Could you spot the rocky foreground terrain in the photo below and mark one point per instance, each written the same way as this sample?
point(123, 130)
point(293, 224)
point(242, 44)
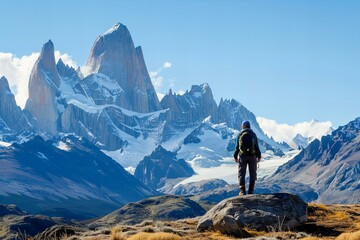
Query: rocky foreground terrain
point(340, 222)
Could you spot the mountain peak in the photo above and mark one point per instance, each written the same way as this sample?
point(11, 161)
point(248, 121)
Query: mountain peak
point(114, 55)
point(47, 50)
point(60, 62)
point(4, 84)
point(46, 62)
point(116, 28)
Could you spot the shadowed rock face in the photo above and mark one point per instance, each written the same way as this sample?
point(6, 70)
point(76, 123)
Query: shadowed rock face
point(153, 170)
point(114, 55)
point(259, 212)
point(190, 108)
point(12, 116)
point(70, 178)
point(43, 90)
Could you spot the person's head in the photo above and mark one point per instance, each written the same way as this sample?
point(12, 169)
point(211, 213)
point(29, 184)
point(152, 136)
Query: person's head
point(245, 124)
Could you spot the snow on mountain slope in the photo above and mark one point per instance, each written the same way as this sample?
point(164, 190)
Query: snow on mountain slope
point(286, 133)
point(4, 144)
point(207, 145)
point(228, 170)
point(40, 175)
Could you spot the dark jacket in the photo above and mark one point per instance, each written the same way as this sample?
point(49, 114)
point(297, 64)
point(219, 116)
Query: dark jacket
point(257, 149)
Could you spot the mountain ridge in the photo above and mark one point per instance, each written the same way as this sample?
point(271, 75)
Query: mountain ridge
point(331, 165)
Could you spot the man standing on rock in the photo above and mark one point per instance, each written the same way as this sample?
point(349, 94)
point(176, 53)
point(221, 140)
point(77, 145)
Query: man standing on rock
point(248, 147)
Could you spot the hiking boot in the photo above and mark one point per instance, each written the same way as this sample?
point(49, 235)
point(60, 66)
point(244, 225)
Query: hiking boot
point(251, 188)
point(242, 190)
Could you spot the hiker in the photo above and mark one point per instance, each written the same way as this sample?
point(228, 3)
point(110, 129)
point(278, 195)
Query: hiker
point(248, 147)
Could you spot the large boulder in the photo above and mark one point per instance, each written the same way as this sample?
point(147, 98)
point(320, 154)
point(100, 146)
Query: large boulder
point(280, 211)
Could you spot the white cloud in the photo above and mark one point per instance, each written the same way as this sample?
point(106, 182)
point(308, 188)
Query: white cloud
point(158, 80)
point(167, 65)
point(86, 70)
point(17, 71)
point(286, 132)
point(66, 58)
point(181, 92)
point(160, 96)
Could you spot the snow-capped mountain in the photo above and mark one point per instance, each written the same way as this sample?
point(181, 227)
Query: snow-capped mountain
point(160, 166)
point(298, 135)
point(65, 176)
point(331, 165)
point(301, 142)
point(115, 108)
point(114, 55)
point(44, 86)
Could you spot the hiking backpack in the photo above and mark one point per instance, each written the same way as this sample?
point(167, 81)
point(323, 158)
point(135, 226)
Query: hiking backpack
point(247, 143)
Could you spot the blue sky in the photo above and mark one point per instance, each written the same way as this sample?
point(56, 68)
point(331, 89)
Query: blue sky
point(290, 61)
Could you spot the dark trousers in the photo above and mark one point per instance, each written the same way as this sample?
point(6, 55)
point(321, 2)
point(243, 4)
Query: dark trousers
point(244, 161)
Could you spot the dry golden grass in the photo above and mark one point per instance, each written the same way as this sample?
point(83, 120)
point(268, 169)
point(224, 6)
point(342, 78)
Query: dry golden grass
point(357, 225)
point(319, 205)
point(116, 234)
point(338, 215)
point(312, 238)
point(95, 238)
point(255, 233)
point(207, 236)
point(349, 236)
point(155, 236)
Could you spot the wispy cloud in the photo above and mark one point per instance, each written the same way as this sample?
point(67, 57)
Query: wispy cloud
point(158, 80)
point(167, 65)
point(17, 70)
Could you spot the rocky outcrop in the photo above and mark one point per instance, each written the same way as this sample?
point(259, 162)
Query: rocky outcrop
point(67, 73)
point(234, 113)
point(271, 212)
point(44, 86)
point(161, 165)
point(190, 108)
point(166, 208)
point(114, 55)
point(330, 166)
point(198, 187)
point(11, 114)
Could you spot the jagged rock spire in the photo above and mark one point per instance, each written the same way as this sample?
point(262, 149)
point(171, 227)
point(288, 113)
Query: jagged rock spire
point(43, 90)
point(115, 55)
point(10, 113)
